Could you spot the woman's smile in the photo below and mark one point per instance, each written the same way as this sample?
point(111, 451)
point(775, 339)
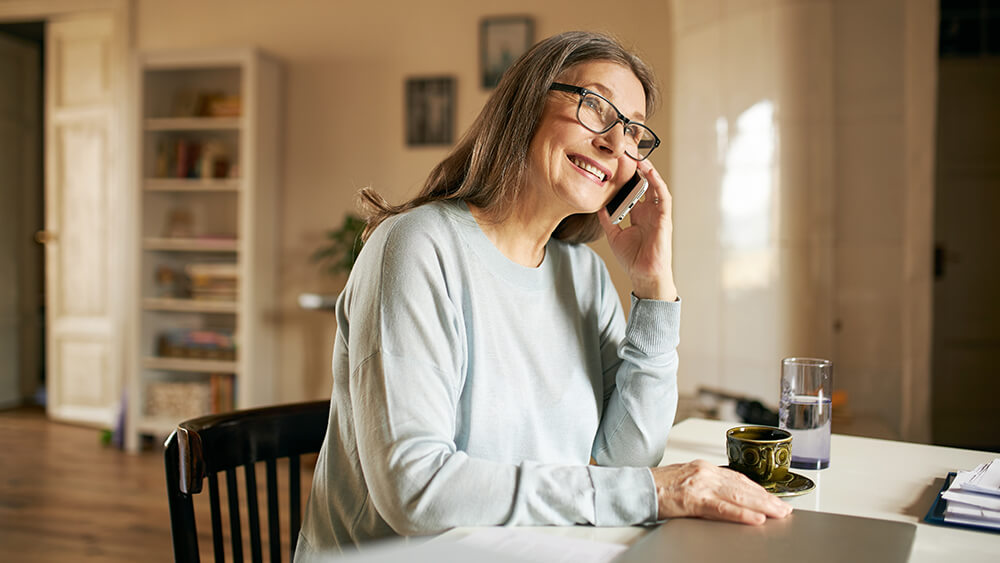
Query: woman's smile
point(591, 168)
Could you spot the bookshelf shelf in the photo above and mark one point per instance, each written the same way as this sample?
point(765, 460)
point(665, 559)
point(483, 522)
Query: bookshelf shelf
point(190, 365)
point(191, 244)
point(189, 305)
point(191, 185)
point(193, 123)
point(206, 189)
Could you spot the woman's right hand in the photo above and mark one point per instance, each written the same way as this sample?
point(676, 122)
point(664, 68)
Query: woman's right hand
point(704, 490)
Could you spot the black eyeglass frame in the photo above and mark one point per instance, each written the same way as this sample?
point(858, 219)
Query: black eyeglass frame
point(583, 92)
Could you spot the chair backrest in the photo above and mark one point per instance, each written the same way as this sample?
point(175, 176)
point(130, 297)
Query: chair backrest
point(202, 447)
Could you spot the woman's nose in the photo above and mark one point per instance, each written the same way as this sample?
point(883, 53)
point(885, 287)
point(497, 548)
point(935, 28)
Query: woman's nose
point(613, 140)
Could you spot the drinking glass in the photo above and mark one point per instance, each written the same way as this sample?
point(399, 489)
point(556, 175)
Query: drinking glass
point(805, 408)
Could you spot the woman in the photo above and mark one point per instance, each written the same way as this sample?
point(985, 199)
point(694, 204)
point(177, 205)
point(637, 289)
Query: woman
point(482, 360)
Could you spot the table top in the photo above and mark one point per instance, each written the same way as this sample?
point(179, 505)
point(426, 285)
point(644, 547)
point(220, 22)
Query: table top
point(867, 477)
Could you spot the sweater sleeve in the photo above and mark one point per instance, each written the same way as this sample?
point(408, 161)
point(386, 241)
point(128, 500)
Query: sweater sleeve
point(405, 388)
point(640, 380)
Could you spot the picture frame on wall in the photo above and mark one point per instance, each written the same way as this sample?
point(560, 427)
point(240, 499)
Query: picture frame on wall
point(501, 41)
point(430, 110)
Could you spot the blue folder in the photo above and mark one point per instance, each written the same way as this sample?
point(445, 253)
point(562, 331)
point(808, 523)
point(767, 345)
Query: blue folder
point(936, 514)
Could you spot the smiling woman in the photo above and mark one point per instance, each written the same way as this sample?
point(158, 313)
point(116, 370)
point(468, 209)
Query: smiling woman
point(482, 359)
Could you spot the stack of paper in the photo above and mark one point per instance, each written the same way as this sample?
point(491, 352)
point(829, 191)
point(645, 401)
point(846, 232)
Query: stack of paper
point(974, 496)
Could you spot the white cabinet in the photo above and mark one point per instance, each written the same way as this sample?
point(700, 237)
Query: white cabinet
point(207, 218)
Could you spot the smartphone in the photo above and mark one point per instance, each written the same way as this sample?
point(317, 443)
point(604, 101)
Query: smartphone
point(622, 202)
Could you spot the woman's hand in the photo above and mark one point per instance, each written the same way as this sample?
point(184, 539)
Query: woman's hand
point(704, 490)
point(644, 248)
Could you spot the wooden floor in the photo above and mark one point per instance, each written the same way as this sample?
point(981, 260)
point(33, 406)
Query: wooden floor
point(66, 497)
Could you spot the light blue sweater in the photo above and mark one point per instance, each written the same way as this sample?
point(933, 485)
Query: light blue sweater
point(471, 391)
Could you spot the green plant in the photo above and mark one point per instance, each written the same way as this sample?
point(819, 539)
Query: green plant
point(342, 246)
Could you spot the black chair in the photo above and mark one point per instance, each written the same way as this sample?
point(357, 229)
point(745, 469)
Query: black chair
point(203, 447)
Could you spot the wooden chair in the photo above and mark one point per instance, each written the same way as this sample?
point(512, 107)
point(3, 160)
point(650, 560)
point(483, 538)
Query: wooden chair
point(203, 447)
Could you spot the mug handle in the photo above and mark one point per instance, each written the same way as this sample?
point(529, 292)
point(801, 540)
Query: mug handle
point(768, 460)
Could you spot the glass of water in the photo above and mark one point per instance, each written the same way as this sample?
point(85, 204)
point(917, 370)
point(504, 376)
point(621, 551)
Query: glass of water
point(805, 408)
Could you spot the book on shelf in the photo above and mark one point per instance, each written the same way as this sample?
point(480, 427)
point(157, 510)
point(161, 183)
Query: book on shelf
point(223, 387)
point(189, 102)
point(213, 270)
point(202, 344)
point(186, 158)
point(218, 104)
point(217, 281)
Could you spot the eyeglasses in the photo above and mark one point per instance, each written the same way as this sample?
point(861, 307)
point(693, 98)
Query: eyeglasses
point(599, 115)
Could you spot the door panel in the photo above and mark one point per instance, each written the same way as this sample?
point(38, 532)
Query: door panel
point(84, 341)
point(82, 268)
point(966, 301)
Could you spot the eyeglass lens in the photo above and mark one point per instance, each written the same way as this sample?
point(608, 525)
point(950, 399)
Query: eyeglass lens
point(599, 116)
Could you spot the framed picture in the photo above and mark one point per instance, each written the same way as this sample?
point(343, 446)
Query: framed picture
point(502, 40)
point(430, 110)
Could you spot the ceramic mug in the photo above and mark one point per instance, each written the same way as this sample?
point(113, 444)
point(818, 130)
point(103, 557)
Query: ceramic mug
point(762, 453)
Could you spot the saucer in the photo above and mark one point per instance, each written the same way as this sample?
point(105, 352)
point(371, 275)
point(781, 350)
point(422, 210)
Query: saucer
point(792, 485)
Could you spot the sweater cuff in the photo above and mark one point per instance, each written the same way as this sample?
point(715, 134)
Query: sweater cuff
point(623, 496)
point(654, 326)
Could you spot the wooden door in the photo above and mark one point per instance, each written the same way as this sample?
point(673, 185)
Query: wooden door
point(82, 189)
point(19, 130)
point(966, 297)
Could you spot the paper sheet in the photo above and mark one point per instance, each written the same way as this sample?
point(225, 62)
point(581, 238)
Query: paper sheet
point(971, 511)
point(983, 479)
point(983, 501)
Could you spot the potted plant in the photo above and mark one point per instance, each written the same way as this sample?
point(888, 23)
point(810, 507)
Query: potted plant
point(341, 247)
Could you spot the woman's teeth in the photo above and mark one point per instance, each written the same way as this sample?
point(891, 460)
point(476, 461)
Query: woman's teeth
point(588, 167)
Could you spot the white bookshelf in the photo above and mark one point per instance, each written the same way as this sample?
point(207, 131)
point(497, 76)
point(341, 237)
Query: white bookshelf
point(207, 186)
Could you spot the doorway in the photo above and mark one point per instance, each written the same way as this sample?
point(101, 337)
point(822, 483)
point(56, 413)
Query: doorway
point(966, 338)
point(88, 136)
point(22, 287)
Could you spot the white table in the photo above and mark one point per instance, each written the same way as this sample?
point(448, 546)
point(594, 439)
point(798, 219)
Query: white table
point(867, 477)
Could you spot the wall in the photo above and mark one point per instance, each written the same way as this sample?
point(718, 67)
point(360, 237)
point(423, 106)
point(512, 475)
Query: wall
point(802, 160)
point(885, 80)
point(752, 162)
point(345, 65)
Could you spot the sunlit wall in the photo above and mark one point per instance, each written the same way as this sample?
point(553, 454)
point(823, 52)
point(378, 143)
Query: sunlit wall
point(801, 174)
point(752, 187)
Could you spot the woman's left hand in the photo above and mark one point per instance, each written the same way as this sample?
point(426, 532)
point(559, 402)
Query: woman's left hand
point(644, 248)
